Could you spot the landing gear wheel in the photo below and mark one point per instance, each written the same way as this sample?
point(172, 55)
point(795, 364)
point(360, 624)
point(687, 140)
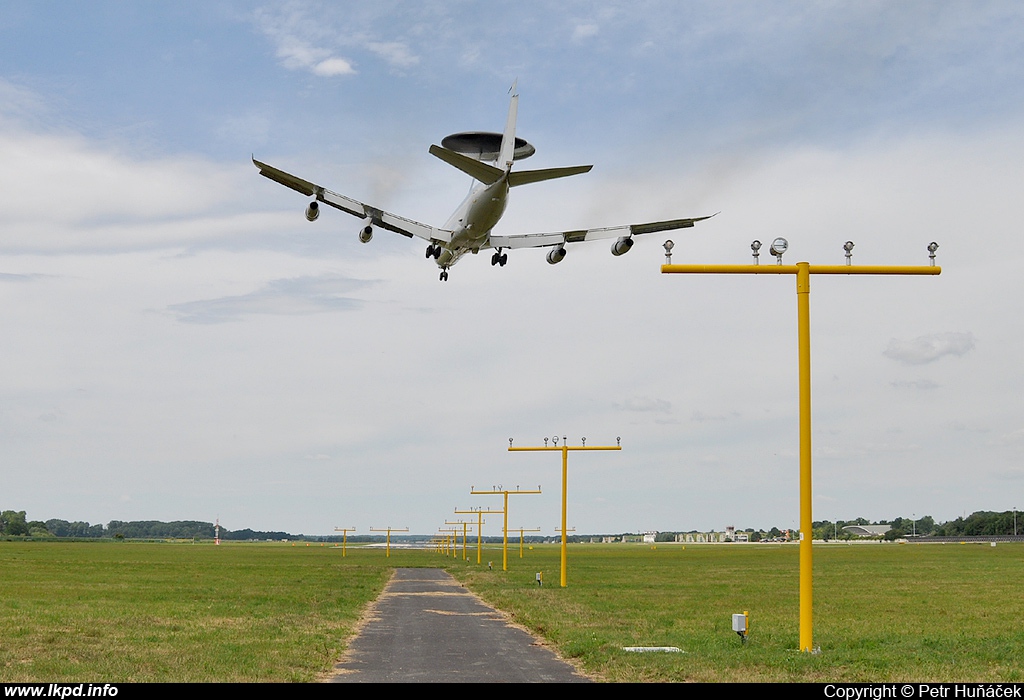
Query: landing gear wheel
point(430, 251)
point(502, 259)
point(495, 259)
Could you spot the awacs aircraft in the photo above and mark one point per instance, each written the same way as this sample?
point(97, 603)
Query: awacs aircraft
point(488, 158)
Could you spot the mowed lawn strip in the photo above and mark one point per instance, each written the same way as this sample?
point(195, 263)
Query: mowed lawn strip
point(131, 611)
point(127, 611)
point(883, 612)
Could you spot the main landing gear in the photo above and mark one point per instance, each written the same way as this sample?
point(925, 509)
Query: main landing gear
point(433, 251)
point(499, 258)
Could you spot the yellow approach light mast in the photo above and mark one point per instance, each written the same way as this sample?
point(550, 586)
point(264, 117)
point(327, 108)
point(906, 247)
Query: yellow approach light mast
point(344, 537)
point(479, 528)
point(565, 450)
point(389, 530)
point(504, 528)
point(803, 272)
point(523, 530)
point(465, 524)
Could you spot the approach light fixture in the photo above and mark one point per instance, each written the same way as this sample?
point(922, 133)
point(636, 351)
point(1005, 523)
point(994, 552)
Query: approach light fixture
point(669, 245)
point(756, 247)
point(932, 247)
point(779, 246)
point(848, 247)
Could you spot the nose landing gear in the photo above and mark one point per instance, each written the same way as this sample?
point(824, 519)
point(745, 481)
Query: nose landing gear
point(499, 258)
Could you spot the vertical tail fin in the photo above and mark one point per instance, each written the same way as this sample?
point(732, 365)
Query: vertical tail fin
point(508, 138)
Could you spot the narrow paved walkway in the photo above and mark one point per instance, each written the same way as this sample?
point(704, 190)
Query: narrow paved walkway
point(427, 628)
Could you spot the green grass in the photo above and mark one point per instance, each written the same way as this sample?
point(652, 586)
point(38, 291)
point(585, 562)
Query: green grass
point(103, 612)
point(179, 612)
point(882, 612)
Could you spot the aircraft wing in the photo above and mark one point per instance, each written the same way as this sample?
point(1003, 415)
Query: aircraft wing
point(379, 217)
point(539, 240)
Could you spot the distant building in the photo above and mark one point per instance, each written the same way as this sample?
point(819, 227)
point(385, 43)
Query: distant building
point(867, 530)
point(697, 537)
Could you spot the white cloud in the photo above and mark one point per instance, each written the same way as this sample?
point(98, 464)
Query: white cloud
point(284, 297)
point(701, 417)
point(918, 385)
point(297, 38)
point(584, 31)
point(394, 52)
point(644, 404)
point(929, 348)
point(317, 45)
point(333, 66)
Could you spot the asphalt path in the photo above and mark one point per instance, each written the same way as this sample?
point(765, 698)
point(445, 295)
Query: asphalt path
point(427, 628)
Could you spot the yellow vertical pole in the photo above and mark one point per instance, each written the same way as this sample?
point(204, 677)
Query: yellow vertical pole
point(803, 271)
point(565, 490)
point(479, 536)
point(803, 293)
point(504, 530)
point(389, 544)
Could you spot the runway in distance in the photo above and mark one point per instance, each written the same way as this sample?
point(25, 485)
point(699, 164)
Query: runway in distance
point(487, 157)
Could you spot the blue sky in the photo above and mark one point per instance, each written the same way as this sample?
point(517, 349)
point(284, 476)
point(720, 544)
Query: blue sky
point(182, 344)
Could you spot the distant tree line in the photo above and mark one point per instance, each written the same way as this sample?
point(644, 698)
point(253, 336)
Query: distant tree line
point(16, 524)
point(982, 523)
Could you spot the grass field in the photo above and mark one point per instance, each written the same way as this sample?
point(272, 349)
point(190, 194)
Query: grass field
point(274, 612)
point(882, 612)
point(128, 611)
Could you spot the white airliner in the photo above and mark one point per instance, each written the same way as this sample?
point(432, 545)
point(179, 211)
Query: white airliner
point(486, 157)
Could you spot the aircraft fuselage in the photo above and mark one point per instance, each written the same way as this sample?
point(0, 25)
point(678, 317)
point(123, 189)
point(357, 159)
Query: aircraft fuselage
point(473, 220)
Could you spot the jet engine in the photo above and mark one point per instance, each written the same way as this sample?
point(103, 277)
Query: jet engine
point(622, 246)
point(312, 211)
point(367, 231)
point(556, 254)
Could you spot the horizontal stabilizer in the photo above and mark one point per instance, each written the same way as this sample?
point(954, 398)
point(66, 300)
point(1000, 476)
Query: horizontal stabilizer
point(483, 172)
point(525, 177)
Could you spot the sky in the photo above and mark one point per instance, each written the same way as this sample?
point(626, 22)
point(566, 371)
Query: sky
point(181, 344)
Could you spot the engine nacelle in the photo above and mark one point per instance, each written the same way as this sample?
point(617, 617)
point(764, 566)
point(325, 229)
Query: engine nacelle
point(312, 211)
point(556, 255)
point(622, 246)
point(366, 234)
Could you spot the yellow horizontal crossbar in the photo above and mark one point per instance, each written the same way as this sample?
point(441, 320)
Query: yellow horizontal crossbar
point(792, 269)
point(559, 449)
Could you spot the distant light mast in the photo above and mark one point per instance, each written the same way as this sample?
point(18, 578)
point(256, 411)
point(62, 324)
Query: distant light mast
point(216, 535)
